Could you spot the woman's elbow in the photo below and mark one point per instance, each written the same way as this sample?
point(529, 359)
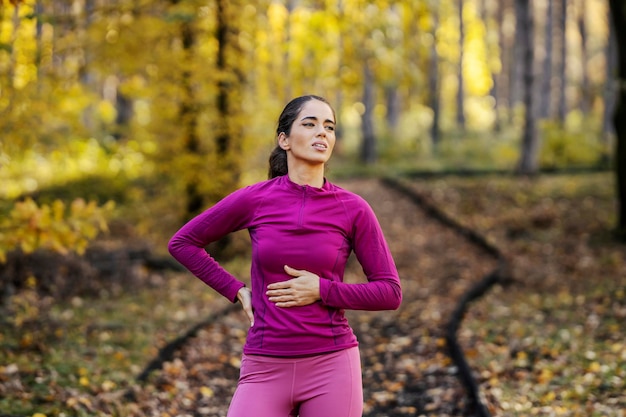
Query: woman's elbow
point(395, 303)
point(391, 298)
point(396, 299)
point(174, 246)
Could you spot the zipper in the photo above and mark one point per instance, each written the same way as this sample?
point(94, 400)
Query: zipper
point(302, 206)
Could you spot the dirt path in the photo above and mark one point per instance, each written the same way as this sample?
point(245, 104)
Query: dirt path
point(436, 266)
point(406, 370)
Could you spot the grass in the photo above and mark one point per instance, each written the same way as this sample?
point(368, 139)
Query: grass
point(55, 356)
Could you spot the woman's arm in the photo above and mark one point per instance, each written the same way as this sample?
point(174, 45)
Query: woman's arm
point(187, 245)
point(382, 291)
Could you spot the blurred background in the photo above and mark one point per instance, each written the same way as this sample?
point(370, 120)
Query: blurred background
point(124, 97)
point(121, 119)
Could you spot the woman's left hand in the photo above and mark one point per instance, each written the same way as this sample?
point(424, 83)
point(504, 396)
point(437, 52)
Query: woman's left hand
point(302, 290)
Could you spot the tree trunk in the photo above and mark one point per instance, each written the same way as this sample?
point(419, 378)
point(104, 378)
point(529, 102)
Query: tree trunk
point(124, 109)
point(561, 71)
point(529, 161)
point(460, 94)
point(9, 78)
point(433, 84)
point(517, 61)
point(546, 78)
point(497, 77)
point(229, 86)
point(188, 116)
point(221, 35)
point(212, 171)
point(610, 87)
point(338, 104)
point(38, 34)
point(618, 11)
point(368, 146)
point(393, 109)
point(508, 54)
point(290, 5)
point(86, 74)
point(585, 98)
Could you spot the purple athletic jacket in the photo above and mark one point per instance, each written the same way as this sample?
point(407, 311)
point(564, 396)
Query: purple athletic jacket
point(308, 228)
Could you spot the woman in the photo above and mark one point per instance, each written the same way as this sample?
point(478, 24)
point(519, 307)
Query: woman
point(300, 356)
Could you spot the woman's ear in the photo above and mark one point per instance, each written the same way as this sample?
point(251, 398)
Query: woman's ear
point(283, 141)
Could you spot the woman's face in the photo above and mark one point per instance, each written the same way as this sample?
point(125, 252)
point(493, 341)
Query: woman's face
point(312, 137)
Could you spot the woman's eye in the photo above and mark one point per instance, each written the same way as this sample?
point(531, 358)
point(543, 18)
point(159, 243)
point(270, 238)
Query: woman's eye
point(308, 124)
point(331, 128)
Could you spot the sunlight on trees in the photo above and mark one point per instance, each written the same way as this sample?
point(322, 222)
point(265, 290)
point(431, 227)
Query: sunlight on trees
point(149, 77)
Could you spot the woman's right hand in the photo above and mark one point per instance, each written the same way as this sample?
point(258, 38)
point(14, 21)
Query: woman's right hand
point(245, 298)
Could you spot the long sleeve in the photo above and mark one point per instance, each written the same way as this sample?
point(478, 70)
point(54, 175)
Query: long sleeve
point(187, 245)
point(314, 229)
point(383, 290)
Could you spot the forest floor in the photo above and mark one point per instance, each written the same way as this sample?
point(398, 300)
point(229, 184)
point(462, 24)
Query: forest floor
point(549, 344)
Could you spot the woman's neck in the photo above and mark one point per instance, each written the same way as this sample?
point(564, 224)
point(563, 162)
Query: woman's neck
point(313, 176)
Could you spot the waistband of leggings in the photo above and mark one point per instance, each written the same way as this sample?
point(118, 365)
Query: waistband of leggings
point(296, 359)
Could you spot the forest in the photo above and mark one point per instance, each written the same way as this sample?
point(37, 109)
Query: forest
point(489, 137)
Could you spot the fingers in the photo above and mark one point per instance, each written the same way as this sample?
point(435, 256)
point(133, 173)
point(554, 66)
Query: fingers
point(287, 284)
point(287, 304)
point(293, 272)
point(301, 290)
point(281, 294)
point(287, 301)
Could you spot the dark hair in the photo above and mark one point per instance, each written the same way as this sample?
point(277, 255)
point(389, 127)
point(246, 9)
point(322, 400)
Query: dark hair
point(278, 157)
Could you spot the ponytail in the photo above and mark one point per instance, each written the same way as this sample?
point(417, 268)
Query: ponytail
point(278, 163)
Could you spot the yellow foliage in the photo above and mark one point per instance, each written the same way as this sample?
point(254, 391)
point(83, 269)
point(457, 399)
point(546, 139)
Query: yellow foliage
point(207, 392)
point(594, 367)
point(30, 226)
point(31, 282)
point(545, 376)
point(549, 397)
point(277, 15)
point(108, 385)
point(25, 48)
point(106, 111)
point(573, 145)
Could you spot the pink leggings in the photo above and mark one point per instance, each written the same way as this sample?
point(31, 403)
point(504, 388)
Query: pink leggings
point(327, 385)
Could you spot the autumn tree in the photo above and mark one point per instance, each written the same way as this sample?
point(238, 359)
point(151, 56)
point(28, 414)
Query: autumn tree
point(585, 99)
point(546, 77)
point(618, 11)
point(460, 92)
point(608, 98)
point(561, 74)
point(203, 97)
point(434, 83)
point(528, 163)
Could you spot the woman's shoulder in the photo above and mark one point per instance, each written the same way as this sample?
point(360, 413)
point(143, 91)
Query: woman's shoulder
point(348, 197)
point(259, 187)
point(251, 193)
